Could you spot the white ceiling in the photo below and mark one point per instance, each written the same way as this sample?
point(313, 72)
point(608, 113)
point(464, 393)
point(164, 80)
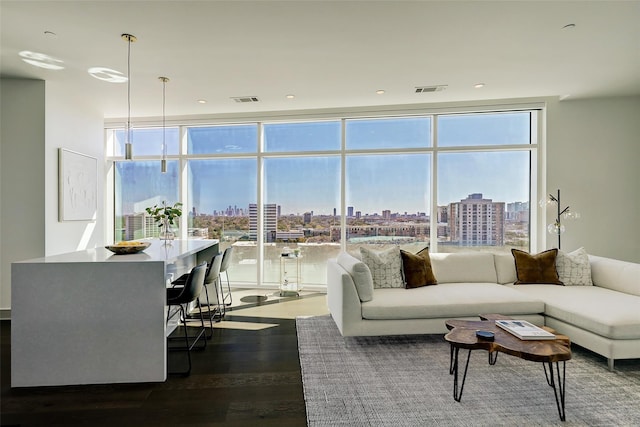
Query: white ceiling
point(326, 53)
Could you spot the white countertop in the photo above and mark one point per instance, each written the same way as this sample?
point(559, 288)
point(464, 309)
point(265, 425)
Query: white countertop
point(157, 252)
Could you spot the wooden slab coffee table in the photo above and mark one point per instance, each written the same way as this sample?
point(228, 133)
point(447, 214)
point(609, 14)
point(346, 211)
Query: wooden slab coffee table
point(549, 352)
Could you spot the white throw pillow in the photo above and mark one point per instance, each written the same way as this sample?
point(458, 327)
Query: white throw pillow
point(385, 267)
point(574, 268)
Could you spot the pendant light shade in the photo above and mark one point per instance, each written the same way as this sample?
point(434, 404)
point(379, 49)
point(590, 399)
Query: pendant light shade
point(128, 147)
point(163, 162)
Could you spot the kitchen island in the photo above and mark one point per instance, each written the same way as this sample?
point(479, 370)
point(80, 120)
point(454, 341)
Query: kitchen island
point(94, 317)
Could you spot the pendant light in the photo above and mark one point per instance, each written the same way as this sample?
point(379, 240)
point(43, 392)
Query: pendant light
point(128, 147)
point(163, 162)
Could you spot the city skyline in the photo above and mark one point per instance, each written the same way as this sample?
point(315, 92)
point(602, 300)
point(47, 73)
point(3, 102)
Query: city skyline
point(516, 206)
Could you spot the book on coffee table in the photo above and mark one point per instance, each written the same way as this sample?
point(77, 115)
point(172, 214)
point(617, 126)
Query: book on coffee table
point(525, 330)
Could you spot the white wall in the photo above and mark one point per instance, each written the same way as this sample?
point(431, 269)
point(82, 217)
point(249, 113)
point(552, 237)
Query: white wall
point(593, 155)
point(37, 119)
point(22, 176)
point(73, 122)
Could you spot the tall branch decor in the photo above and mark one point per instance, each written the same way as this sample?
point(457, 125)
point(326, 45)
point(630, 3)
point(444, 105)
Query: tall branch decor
point(557, 228)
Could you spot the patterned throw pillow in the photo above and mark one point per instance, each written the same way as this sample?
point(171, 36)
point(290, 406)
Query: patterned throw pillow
point(539, 268)
point(385, 267)
point(574, 268)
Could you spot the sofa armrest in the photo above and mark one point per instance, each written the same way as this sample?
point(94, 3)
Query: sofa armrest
point(342, 298)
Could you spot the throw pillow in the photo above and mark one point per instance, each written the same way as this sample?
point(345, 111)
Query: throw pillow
point(538, 268)
point(385, 267)
point(574, 269)
point(417, 269)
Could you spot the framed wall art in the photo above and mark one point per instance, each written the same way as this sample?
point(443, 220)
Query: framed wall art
point(77, 186)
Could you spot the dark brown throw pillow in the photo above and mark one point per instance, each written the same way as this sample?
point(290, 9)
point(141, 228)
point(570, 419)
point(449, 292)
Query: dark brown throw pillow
point(538, 268)
point(417, 269)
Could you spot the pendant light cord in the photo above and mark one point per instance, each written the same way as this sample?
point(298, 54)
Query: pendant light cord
point(164, 129)
point(128, 147)
point(129, 90)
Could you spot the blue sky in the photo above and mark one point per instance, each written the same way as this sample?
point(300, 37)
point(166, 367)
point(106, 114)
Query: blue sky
point(399, 182)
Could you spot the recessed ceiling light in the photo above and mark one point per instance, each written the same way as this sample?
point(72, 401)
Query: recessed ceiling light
point(202, 101)
point(478, 85)
point(569, 26)
point(107, 75)
point(41, 60)
point(380, 91)
point(290, 96)
point(50, 34)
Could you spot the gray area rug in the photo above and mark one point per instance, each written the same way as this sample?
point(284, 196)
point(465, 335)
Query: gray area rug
point(405, 381)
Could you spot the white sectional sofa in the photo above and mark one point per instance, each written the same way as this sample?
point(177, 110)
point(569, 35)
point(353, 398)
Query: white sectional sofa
point(604, 318)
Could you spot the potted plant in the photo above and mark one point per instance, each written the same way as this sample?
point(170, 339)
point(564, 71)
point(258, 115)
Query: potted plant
point(165, 217)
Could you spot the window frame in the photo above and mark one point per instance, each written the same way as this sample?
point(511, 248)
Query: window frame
point(536, 148)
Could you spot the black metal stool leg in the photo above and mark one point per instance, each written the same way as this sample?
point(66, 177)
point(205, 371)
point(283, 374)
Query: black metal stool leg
point(228, 295)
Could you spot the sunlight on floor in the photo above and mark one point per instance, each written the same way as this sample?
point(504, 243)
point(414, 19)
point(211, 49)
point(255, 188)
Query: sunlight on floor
point(274, 306)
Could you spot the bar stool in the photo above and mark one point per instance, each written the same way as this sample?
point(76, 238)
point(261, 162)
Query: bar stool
point(179, 296)
point(226, 262)
point(216, 308)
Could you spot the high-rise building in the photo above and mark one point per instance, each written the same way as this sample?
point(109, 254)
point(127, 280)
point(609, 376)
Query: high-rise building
point(270, 221)
point(475, 221)
point(139, 226)
point(350, 211)
point(518, 211)
point(443, 214)
point(307, 217)
point(386, 214)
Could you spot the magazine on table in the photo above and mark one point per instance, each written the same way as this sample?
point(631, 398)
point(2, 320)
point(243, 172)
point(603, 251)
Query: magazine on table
point(525, 330)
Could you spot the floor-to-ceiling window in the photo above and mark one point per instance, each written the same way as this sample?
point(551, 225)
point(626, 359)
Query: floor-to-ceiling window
point(484, 180)
point(388, 182)
point(452, 182)
point(140, 184)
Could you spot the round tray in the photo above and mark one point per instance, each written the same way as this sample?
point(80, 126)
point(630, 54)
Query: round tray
point(127, 249)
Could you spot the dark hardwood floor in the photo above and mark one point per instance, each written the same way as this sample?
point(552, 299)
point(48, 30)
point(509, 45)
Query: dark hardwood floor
point(242, 378)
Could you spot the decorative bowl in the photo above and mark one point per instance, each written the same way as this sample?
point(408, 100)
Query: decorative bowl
point(127, 248)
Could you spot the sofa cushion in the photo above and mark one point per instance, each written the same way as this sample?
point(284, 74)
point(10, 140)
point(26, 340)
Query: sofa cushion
point(359, 273)
point(602, 311)
point(615, 274)
point(537, 268)
point(385, 267)
point(417, 269)
point(467, 267)
point(449, 300)
point(574, 268)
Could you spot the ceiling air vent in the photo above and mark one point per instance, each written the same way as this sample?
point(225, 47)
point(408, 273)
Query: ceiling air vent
point(426, 89)
point(245, 98)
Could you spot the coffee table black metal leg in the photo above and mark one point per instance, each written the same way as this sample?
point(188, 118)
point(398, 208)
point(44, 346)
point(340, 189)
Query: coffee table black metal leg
point(457, 393)
point(560, 389)
point(493, 357)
